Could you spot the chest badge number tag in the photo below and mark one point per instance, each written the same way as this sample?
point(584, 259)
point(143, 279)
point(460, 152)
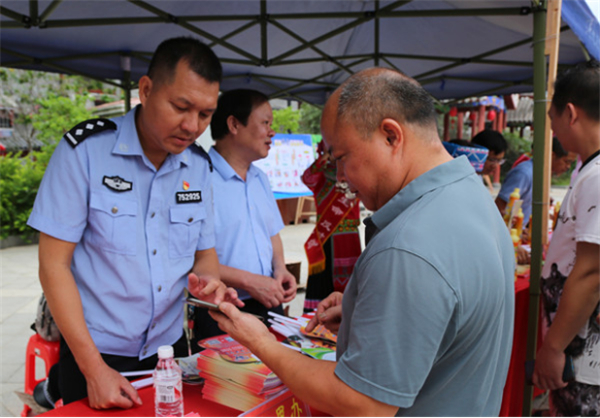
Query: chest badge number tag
point(117, 184)
point(189, 197)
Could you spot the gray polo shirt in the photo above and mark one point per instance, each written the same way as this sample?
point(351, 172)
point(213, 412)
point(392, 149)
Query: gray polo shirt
point(428, 313)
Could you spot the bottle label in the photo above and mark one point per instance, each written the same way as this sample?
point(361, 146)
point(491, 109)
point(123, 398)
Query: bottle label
point(166, 391)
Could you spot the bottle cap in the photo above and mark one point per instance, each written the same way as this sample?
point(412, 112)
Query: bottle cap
point(165, 351)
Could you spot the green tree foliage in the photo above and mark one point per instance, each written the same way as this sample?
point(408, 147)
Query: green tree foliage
point(21, 91)
point(310, 119)
point(286, 120)
point(57, 114)
point(20, 177)
point(19, 182)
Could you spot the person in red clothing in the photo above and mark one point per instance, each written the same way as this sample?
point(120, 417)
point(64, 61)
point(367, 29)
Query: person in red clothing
point(334, 246)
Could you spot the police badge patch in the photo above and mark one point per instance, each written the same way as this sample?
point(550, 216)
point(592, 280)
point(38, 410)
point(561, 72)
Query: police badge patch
point(117, 184)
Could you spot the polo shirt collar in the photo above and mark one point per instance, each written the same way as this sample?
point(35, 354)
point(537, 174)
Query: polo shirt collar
point(128, 142)
point(221, 165)
point(440, 176)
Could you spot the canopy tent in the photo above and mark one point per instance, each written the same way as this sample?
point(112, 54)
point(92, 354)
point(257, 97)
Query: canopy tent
point(298, 49)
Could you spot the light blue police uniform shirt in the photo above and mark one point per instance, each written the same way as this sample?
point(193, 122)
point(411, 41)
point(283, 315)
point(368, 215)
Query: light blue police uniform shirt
point(428, 312)
point(246, 217)
point(520, 176)
point(136, 246)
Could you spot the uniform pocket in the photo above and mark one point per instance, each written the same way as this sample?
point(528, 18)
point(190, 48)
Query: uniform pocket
point(113, 221)
point(184, 230)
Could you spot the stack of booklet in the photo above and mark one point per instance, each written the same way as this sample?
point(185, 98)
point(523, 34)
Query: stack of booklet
point(319, 343)
point(233, 376)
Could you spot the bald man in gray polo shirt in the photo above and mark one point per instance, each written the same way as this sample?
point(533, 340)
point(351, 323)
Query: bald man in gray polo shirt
point(427, 317)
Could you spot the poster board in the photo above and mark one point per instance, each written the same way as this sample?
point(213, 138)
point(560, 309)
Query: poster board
point(289, 156)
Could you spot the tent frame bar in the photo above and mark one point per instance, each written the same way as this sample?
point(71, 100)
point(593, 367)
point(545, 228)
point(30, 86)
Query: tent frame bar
point(21, 20)
point(264, 19)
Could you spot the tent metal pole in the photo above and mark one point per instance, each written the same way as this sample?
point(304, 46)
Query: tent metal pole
point(539, 206)
point(285, 90)
point(263, 32)
point(184, 24)
point(33, 12)
point(235, 32)
point(20, 20)
point(326, 58)
point(477, 58)
point(376, 34)
point(339, 30)
point(46, 13)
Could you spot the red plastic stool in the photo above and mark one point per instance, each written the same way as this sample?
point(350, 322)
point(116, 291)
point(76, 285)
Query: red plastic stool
point(47, 351)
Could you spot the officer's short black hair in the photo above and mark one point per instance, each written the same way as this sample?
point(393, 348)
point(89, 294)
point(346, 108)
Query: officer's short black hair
point(201, 59)
point(237, 103)
point(492, 140)
point(579, 85)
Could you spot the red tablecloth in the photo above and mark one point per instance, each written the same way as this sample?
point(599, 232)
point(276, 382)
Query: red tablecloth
point(192, 402)
point(512, 401)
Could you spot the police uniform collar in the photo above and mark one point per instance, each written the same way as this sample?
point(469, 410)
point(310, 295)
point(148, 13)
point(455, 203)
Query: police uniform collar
point(224, 168)
point(128, 141)
point(440, 176)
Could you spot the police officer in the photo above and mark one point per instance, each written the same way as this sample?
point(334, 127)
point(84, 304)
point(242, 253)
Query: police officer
point(125, 220)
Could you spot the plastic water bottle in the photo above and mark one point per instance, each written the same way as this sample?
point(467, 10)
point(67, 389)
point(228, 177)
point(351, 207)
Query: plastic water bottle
point(168, 397)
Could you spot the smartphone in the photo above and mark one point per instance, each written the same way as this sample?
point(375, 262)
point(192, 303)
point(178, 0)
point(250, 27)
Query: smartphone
point(568, 371)
point(202, 304)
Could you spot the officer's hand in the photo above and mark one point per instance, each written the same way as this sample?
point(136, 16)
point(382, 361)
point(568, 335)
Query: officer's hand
point(266, 290)
point(329, 313)
point(288, 284)
point(246, 329)
point(212, 290)
point(108, 389)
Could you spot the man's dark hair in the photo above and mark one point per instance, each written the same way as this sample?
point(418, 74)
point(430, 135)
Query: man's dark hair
point(492, 140)
point(201, 59)
point(367, 99)
point(237, 103)
point(579, 85)
point(557, 148)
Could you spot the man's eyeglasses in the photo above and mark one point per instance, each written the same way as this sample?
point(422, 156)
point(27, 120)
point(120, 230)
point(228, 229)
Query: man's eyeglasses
point(498, 161)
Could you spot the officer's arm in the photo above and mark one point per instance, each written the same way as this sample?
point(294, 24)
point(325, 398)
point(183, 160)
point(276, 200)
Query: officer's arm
point(106, 387)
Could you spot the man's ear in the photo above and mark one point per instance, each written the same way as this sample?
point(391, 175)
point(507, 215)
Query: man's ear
point(393, 132)
point(573, 113)
point(232, 124)
point(144, 88)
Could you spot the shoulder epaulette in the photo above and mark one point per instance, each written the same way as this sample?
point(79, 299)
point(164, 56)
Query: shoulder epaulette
point(198, 148)
point(88, 128)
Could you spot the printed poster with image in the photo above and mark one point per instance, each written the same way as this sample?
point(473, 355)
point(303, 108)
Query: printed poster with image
point(289, 156)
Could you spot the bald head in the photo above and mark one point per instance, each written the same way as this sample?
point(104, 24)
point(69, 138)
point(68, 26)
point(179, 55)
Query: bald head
point(370, 96)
